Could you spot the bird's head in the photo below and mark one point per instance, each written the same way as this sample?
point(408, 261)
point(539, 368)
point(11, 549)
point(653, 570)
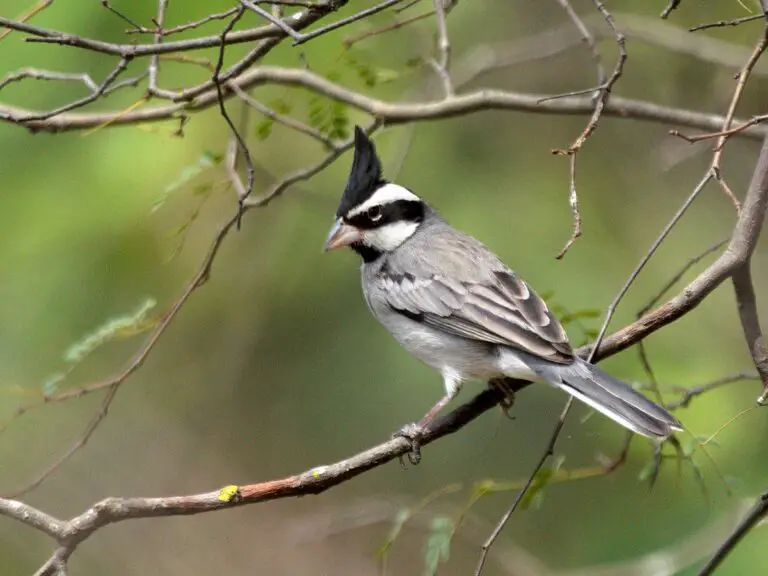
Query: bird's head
point(374, 216)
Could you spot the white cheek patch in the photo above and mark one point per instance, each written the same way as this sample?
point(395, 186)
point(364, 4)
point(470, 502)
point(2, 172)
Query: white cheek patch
point(389, 236)
point(385, 195)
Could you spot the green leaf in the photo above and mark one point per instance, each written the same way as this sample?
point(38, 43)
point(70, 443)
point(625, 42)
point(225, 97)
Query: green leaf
point(540, 481)
point(281, 106)
point(647, 471)
point(206, 160)
point(120, 327)
point(264, 128)
point(51, 384)
point(438, 544)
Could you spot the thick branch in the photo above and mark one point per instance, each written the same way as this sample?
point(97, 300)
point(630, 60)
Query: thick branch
point(390, 113)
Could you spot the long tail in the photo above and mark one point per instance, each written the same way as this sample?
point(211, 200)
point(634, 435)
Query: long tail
point(609, 396)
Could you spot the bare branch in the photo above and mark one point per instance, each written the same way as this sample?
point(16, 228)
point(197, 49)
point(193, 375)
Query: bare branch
point(391, 113)
point(184, 27)
point(443, 47)
point(243, 191)
point(755, 515)
point(100, 90)
point(602, 95)
point(722, 23)
point(279, 22)
point(672, 6)
point(36, 74)
point(742, 82)
point(750, 323)
point(688, 394)
point(547, 453)
point(298, 21)
point(345, 21)
point(36, 9)
point(291, 123)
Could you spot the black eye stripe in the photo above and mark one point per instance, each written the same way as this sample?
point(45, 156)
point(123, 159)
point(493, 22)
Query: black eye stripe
point(397, 211)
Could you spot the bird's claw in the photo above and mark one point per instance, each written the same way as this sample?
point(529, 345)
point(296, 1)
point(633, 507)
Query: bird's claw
point(506, 405)
point(413, 433)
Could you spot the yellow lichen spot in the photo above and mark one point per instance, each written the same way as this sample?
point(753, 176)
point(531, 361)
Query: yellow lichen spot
point(228, 493)
point(315, 472)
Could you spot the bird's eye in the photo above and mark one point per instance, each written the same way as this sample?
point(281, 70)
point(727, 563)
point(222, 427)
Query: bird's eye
point(374, 213)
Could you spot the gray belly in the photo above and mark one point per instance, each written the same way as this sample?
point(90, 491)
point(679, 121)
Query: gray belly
point(470, 359)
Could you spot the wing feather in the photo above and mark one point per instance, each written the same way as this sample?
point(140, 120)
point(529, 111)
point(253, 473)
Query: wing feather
point(500, 310)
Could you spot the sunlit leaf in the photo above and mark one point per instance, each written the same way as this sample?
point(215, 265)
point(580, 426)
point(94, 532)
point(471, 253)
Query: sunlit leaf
point(206, 160)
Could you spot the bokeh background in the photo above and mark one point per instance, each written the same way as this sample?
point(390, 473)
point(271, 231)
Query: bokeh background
point(276, 366)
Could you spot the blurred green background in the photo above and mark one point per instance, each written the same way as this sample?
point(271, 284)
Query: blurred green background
point(276, 366)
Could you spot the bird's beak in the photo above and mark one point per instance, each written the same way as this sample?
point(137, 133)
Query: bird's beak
point(341, 234)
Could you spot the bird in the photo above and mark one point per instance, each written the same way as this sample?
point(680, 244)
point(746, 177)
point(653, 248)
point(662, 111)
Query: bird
point(452, 303)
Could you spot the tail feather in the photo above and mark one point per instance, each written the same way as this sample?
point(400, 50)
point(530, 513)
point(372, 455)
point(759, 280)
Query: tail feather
point(611, 397)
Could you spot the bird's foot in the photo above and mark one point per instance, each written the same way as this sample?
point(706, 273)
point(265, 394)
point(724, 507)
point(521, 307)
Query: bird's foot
point(505, 385)
point(412, 432)
point(506, 405)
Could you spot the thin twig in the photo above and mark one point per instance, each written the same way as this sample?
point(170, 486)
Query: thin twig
point(672, 6)
point(345, 21)
point(120, 15)
point(644, 260)
point(740, 84)
point(755, 515)
point(279, 22)
point(81, 441)
point(641, 349)
point(352, 40)
point(244, 191)
point(722, 23)
point(588, 38)
point(573, 200)
point(36, 74)
point(601, 98)
point(688, 394)
point(183, 27)
point(291, 123)
point(443, 48)
point(547, 453)
point(154, 60)
point(100, 90)
point(730, 132)
point(34, 10)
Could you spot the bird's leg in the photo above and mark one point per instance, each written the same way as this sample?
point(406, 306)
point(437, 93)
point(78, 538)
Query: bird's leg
point(415, 430)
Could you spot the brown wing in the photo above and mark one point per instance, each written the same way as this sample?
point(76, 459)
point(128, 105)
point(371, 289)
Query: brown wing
point(503, 310)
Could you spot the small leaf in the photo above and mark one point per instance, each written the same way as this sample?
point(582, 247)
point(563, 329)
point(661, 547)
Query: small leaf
point(120, 327)
point(206, 160)
point(51, 384)
point(438, 544)
point(264, 128)
point(280, 106)
point(647, 471)
point(540, 481)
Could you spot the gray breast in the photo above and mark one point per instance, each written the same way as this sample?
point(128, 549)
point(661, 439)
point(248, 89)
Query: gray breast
point(445, 352)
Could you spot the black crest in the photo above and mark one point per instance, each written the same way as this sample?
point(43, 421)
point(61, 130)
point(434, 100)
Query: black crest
point(365, 176)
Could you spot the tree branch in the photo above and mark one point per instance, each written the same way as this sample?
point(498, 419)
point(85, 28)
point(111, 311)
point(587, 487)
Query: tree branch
point(390, 113)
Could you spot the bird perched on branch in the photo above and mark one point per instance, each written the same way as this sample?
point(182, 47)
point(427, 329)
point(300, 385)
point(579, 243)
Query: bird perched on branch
point(456, 306)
